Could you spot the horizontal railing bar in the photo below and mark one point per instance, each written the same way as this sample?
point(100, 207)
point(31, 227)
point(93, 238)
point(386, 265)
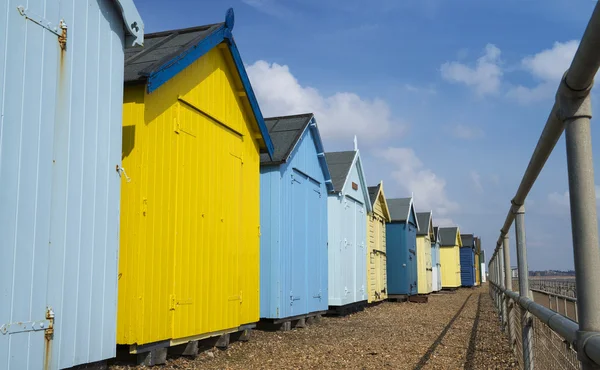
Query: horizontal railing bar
point(566, 298)
point(562, 325)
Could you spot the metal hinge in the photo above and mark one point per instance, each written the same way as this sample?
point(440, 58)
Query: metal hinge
point(293, 298)
point(59, 30)
point(174, 303)
point(27, 326)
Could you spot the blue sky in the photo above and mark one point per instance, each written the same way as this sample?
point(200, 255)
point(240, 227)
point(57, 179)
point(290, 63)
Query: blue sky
point(447, 97)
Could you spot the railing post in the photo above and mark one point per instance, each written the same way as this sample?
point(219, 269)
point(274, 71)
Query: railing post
point(508, 286)
point(501, 284)
point(576, 112)
point(523, 269)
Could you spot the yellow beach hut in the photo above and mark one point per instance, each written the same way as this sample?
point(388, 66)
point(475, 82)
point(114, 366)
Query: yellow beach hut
point(193, 135)
point(424, 267)
point(450, 243)
point(376, 245)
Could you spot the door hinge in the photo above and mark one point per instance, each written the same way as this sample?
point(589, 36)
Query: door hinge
point(293, 298)
point(27, 326)
point(59, 30)
point(174, 303)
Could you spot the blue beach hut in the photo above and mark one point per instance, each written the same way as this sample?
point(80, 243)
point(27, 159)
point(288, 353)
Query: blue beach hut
point(401, 248)
point(294, 183)
point(347, 207)
point(467, 260)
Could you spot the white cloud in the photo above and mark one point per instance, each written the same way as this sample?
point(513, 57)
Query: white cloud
point(340, 116)
point(484, 77)
point(476, 178)
point(429, 190)
point(548, 67)
point(550, 64)
point(429, 90)
point(466, 132)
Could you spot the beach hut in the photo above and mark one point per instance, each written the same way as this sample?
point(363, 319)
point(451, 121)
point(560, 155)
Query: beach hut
point(482, 261)
point(477, 261)
point(450, 243)
point(60, 144)
point(467, 260)
point(402, 248)
point(436, 267)
point(190, 225)
point(347, 208)
point(376, 245)
point(424, 258)
point(294, 183)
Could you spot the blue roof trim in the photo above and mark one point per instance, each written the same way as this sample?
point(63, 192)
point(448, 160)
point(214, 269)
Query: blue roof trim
point(250, 94)
point(321, 153)
point(172, 67)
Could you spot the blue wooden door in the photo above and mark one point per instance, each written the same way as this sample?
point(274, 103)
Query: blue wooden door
point(297, 267)
point(317, 249)
point(360, 253)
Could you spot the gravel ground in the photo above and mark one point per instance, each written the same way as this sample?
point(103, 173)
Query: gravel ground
point(451, 331)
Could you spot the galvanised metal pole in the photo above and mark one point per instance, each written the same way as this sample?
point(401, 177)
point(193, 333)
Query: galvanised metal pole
point(527, 337)
point(576, 112)
point(501, 283)
point(508, 286)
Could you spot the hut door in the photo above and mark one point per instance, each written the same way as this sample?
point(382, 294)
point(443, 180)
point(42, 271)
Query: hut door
point(317, 249)
point(360, 253)
point(298, 253)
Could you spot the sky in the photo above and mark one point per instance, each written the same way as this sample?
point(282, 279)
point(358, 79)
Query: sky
point(447, 98)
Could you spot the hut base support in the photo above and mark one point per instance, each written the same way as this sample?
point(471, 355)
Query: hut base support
point(289, 323)
point(347, 309)
point(156, 356)
point(397, 297)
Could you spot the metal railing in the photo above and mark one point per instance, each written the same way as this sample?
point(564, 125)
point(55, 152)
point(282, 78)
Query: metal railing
point(535, 331)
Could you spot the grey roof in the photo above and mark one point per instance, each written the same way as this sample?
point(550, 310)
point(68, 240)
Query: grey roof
point(435, 233)
point(160, 47)
point(467, 240)
point(448, 236)
point(285, 133)
point(339, 164)
point(399, 208)
point(373, 191)
point(423, 219)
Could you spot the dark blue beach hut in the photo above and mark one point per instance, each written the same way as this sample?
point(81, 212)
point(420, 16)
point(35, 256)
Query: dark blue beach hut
point(467, 260)
point(401, 241)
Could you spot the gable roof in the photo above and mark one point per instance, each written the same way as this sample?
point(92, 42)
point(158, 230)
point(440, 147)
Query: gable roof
point(167, 53)
point(436, 234)
point(286, 132)
point(339, 164)
point(376, 192)
point(401, 208)
point(467, 240)
point(425, 221)
point(373, 192)
point(448, 236)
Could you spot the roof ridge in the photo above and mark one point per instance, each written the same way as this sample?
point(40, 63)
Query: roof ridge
point(289, 116)
point(181, 30)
